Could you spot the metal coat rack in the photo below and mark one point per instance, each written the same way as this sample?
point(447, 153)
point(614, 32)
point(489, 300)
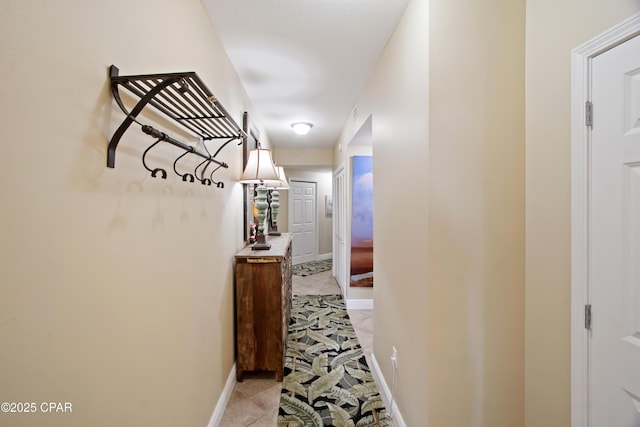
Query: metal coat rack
point(184, 98)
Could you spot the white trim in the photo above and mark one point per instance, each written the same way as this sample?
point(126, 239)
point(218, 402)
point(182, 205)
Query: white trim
point(340, 226)
point(218, 411)
point(359, 304)
point(323, 257)
point(397, 419)
point(580, 175)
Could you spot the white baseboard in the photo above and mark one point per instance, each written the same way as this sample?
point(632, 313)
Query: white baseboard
point(218, 411)
point(359, 304)
point(322, 257)
point(397, 419)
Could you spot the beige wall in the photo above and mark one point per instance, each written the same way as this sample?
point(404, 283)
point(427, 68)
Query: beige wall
point(448, 144)
point(553, 30)
point(304, 158)
point(476, 218)
point(117, 288)
point(396, 97)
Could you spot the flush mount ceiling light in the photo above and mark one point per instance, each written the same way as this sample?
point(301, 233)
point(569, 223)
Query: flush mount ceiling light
point(301, 128)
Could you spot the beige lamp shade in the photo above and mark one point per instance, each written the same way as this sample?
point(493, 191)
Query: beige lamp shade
point(284, 183)
point(259, 168)
point(281, 183)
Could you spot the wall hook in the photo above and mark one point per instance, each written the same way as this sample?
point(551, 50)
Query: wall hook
point(162, 172)
point(154, 172)
point(212, 172)
point(218, 184)
point(186, 176)
point(200, 177)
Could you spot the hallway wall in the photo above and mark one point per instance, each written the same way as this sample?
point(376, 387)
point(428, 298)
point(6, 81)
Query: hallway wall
point(475, 299)
point(448, 147)
point(396, 97)
point(117, 288)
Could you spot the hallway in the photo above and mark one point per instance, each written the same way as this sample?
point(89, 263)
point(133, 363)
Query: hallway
point(118, 287)
point(254, 402)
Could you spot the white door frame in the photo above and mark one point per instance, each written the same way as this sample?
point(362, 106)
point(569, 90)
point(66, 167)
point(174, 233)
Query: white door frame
point(340, 226)
point(580, 176)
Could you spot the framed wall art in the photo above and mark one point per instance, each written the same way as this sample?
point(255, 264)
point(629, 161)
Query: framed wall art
point(250, 142)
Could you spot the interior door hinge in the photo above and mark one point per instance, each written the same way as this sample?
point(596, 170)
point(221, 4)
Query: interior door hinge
point(587, 317)
point(588, 114)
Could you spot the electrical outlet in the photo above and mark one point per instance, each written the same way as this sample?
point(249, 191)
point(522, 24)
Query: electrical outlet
point(394, 357)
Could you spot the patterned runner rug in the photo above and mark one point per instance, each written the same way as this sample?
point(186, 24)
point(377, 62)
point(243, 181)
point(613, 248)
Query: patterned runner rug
point(327, 381)
point(313, 267)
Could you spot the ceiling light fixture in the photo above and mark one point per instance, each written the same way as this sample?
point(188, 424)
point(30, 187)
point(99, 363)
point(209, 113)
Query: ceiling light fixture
point(301, 128)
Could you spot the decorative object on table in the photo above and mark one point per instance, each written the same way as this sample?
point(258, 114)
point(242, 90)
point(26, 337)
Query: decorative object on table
point(327, 381)
point(259, 169)
point(283, 184)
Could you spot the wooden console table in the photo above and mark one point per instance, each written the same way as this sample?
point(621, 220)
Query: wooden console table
point(263, 305)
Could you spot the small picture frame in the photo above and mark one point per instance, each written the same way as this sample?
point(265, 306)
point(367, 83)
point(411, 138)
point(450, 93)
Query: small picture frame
point(328, 205)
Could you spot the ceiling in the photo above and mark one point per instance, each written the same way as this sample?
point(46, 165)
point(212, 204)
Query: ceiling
point(304, 60)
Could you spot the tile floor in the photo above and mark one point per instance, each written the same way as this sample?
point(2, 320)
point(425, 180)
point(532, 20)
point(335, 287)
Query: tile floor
point(255, 401)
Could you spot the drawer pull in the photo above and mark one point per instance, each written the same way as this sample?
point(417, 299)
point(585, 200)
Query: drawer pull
point(261, 260)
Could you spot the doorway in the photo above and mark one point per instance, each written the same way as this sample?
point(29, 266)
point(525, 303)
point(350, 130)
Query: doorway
point(361, 145)
point(302, 208)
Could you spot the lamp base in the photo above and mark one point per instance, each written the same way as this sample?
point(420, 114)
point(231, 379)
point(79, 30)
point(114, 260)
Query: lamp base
point(274, 230)
point(261, 243)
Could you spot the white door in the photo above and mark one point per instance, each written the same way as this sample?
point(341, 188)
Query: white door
point(614, 234)
point(340, 229)
point(303, 220)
